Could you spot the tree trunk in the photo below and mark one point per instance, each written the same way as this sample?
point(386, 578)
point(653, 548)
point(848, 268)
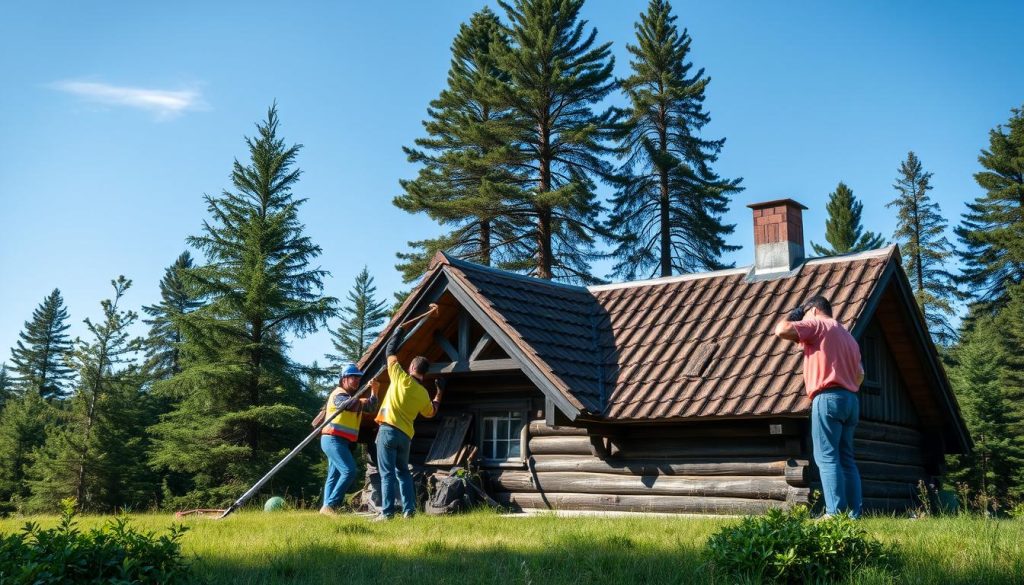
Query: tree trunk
point(544, 259)
point(666, 240)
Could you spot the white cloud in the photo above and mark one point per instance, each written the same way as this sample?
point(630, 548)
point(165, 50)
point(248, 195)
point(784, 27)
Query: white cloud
point(164, 103)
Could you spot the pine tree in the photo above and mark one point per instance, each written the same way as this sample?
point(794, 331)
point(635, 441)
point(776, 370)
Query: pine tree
point(843, 230)
point(557, 75)
point(668, 211)
point(96, 452)
point(38, 357)
point(992, 232)
point(163, 353)
point(465, 182)
point(242, 401)
point(979, 379)
point(360, 322)
point(919, 232)
point(1011, 335)
point(6, 386)
point(24, 424)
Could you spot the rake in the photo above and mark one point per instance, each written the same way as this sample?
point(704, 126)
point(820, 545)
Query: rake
point(223, 513)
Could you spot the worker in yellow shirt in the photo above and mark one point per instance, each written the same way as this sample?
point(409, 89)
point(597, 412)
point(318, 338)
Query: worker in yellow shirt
point(406, 398)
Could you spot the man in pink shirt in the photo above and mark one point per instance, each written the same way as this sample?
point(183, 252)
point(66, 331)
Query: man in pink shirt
point(832, 376)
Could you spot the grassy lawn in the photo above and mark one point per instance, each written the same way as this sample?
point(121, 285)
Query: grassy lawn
point(303, 547)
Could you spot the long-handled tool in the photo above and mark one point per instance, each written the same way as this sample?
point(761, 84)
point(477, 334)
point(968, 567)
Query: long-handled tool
point(316, 432)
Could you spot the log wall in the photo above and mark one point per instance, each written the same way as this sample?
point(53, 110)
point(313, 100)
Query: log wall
point(726, 468)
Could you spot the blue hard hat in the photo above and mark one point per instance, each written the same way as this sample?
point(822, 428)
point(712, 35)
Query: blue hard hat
point(351, 370)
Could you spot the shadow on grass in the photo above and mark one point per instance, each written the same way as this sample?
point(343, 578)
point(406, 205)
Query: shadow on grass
point(615, 559)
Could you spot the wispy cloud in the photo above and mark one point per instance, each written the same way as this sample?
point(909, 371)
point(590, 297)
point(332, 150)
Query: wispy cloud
point(164, 103)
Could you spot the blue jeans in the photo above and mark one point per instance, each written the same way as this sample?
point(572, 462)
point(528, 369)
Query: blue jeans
point(393, 463)
point(834, 416)
point(341, 468)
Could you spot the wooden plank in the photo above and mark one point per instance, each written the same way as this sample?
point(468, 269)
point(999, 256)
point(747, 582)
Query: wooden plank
point(891, 471)
point(505, 365)
point(878, 431)
point(705, 467)
point(724, 430)
point(620, 503)
point(539, 428)
point(449, 440)
point(673, 448)
point(449, 349)
point(463, 337)
point(481, 345)
point(887, 452)
point(579, 445)
point(774, 488)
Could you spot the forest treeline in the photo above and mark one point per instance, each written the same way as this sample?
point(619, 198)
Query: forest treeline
point(508, 166)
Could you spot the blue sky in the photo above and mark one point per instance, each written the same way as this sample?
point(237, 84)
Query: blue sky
point(118, 116)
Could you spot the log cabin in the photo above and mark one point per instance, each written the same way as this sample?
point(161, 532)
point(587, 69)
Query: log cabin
point(672, 394)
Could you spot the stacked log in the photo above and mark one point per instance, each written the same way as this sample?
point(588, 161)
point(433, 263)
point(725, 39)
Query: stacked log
point(654, 470)
point(891, 461)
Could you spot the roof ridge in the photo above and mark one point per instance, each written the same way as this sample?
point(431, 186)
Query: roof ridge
point(459, 263)
point(876, 253)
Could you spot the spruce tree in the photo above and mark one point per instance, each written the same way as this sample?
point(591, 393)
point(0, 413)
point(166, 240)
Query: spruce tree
point(24, 424)
point(992, 233)
point(361, 319)
point(163, 345)
point(465, 182)
point(38, 357)
point(668, 210)
point(1011, 335)
point(920, 233)
point(6, 386)
point(557, 75)
point(242, 402)
point(96, 454)
point(979, 379)
point(843, 230)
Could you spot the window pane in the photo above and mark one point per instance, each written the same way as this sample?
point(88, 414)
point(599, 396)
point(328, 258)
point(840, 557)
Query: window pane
point(503, 428)
point(513, 449)
point(501, 450)
point(488, 449)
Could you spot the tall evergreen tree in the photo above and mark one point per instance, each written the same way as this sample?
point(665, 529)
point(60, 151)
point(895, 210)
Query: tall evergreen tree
point(557, 75)
point(465, 182)
point(361, 319)
point(24, 424)
point(980, 382)
point(992, 232)
point(163, 345)
point(1011, 320)
point(843, 230)
point(242, 401)
point(38, 357)
point(96, 453)
point(668, 211)
point(6, 386)
point(919, 231)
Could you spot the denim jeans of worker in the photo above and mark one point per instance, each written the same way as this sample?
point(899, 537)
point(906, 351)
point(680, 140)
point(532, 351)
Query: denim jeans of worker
point(393, 464)
point(834, 416)
point(341, 469)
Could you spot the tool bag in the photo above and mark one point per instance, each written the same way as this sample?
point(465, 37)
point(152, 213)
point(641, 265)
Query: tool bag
point(456, 493)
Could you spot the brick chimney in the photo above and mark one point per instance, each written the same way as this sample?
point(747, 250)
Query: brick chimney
point(778, 236)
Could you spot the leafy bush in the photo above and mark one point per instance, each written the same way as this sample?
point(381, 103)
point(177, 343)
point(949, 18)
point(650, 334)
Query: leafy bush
point(115, 553)
point(788, 547)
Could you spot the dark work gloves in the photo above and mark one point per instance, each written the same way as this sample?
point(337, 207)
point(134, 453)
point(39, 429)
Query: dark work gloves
point(796, 314)
point(440, 383)
point(394, 342)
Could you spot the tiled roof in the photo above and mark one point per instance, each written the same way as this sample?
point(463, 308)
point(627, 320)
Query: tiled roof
point(702, 346)
point(554, 324)
point(691, 346)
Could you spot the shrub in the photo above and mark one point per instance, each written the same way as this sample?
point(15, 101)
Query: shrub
point(114, 553)
point(788, 547)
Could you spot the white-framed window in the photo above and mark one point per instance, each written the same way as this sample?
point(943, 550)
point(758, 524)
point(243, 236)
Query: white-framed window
point(500, 436)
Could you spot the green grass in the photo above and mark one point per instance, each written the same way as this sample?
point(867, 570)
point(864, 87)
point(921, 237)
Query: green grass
point(303, 547)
